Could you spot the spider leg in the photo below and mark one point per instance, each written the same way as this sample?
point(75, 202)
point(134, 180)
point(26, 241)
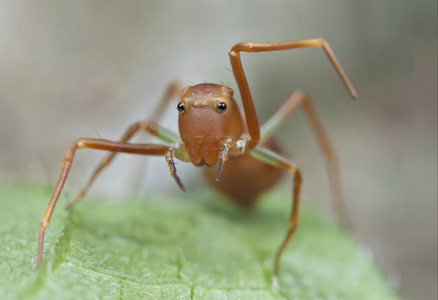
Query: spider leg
point(272, 158)
point(143, 149)
point(239, 74)
point(300, 99)
point(172, 91)
point(156, 130)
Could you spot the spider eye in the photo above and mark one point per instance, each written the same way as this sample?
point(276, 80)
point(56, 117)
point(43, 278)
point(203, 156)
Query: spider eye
point(221, 107)
point(180, 107)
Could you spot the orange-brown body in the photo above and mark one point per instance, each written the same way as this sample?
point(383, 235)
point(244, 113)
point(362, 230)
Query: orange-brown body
point(213, 133)
point(204, 129)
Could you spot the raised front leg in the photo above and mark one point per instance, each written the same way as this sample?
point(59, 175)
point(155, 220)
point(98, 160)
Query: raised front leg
point(239, 74)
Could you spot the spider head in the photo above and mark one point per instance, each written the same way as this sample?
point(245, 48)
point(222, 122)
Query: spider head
point(208, 114)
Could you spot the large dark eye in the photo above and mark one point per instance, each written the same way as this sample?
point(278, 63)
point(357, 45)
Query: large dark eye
point(221, 107)
point(180, 107)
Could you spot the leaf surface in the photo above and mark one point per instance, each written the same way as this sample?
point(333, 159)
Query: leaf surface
point(185, 246)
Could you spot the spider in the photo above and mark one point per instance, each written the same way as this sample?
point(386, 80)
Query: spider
point(215, 134)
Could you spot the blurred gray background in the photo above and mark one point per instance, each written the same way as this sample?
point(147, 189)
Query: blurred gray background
point(71, 69)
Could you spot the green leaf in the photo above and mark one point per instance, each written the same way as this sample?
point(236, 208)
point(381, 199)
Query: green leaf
point(184, 246)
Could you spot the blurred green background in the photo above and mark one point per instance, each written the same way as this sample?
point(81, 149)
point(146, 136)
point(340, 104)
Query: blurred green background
point(90, 68)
